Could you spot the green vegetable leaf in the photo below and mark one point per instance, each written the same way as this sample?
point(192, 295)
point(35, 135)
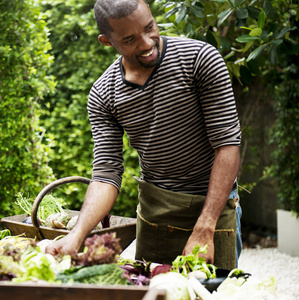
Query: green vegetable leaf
point(186, 264)
point(97, 274)
point(4, 233)
point(37, 265)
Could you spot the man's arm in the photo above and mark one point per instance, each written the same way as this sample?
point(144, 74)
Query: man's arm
point(99, 199)
point(223, 174)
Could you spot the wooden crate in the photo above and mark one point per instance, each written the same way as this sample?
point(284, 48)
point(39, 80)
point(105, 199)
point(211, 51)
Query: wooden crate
point(124, 227)
point(31, 291)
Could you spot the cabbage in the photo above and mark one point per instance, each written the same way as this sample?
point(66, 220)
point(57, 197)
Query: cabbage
point(175, 284)
point(40, 266)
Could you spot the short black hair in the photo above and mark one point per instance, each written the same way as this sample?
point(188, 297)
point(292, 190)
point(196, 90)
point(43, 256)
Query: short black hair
point(113, 9)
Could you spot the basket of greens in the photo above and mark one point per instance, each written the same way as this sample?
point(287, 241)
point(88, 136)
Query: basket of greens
point(46, 217)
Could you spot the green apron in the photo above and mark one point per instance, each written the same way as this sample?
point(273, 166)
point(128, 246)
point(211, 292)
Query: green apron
point(165, 220)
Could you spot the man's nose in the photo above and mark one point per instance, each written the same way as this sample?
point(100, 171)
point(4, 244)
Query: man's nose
point(145, 42)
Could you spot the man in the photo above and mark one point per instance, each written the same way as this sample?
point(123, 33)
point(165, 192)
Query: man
point(174, 99)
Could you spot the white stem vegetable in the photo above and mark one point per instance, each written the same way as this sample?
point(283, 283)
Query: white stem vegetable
point(199, 289)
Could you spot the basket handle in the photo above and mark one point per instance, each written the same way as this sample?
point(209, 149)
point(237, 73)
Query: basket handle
point(48, 189)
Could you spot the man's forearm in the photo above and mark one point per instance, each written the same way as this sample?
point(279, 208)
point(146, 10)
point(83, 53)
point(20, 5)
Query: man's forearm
point(99, 199)
point(223, 175)
point(224, 172)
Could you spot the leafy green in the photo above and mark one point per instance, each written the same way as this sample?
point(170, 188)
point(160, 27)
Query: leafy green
point(30, 264)
point(97, 274)
point(99, 249)
point(4, 233)
point(37, 265)
point(9, 268)
point(194, 262)
point(47, 207)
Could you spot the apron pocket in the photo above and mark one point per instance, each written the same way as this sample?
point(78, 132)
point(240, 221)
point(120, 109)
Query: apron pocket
point(176, 240)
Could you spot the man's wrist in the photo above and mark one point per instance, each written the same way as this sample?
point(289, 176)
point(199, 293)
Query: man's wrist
point(203, 225)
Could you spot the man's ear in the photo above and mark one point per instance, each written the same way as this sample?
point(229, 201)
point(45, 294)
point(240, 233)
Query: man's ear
point(104, 40)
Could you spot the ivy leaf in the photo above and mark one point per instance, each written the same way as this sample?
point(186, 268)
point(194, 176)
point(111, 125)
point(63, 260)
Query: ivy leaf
point(246, 38)
point(254, 54)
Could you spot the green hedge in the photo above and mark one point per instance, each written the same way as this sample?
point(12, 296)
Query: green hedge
point(24, 81)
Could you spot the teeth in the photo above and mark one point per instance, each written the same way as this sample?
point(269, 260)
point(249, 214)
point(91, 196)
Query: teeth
point(148, 53)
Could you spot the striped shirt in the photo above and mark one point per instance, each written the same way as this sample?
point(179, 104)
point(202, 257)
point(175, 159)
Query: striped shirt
point(184, 111)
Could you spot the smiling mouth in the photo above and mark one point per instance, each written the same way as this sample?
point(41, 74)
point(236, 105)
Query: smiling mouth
point(147, 54)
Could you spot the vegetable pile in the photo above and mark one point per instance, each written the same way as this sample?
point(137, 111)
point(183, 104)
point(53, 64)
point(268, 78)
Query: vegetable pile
point(15, 242)
point(97, 264)
point(100, 263)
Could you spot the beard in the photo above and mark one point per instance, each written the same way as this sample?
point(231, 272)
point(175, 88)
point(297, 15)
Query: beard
point(154, 62)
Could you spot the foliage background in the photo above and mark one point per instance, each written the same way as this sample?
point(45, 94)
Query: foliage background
point(258, 40)
point(24, 81)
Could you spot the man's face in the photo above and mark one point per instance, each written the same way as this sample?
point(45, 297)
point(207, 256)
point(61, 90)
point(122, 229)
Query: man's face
point(136, 37)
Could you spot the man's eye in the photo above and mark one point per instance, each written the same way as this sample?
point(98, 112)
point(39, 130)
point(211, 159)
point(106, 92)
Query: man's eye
point(150, 28)
point(128, 41)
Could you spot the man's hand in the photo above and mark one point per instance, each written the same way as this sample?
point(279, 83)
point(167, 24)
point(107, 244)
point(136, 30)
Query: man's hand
point(65, 245)
point(202, 237)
